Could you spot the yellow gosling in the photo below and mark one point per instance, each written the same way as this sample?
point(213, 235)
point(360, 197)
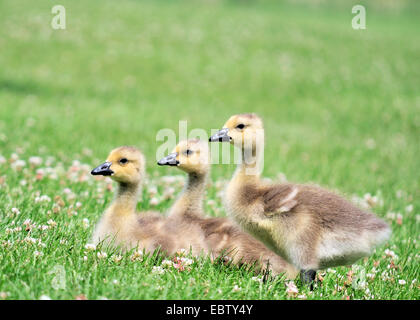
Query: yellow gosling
point(310, 227)
point(122, 226)
point(222, 236)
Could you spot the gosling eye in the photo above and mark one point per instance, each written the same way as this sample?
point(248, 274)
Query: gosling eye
point(188, 152)
point(240, 126)
point(123, 161)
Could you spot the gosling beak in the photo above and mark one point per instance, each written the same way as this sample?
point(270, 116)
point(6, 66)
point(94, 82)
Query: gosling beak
point(221, 136)
point(169, 160)
point(103, 170)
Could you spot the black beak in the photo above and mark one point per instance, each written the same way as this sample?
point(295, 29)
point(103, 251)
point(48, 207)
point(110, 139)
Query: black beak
point(103, 170)
point(221, 136)
point(169, 160)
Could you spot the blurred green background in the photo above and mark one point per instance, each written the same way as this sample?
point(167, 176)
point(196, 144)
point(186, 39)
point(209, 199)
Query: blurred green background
point(123, 70)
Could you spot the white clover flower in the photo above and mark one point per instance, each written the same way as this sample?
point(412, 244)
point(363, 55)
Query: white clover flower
point(15, 211)
point(90, 247)
point(154, 201)
point(372, 201)
point(117, 258)
point(108, 180)
point(401, 282)
point(153, 191)
point(38, 253)
point(167, 263)
point(51, 223)
point(101, 255)
point(211, 203)
point(291, 288)
point(359, 285)
point(43, 198)
point(281, 177)
point(137, 255)
point(49, 161)
point(44, 297)
point(370, 276)
point(2, 160)
point(390, 253)
point(169, 179)
point(35, 161)
point(85, 258)
point(3, 295)
point(257, 279)
point(360, 202)
point(158, 270)
point(85, 222)
point(75, 163)
point(236, 288)
point(30, 240)
point(18, 164)
point(391, 215)
point(186, 261)
point(409, 208)
point(168, 192)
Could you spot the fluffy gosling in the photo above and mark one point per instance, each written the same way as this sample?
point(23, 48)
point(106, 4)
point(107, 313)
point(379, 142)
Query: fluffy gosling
point(222, 236)
point(122, 226)
point(310, 227)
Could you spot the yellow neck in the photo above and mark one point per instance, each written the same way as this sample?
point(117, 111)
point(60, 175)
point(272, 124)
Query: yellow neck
point(248, 171)
point(191, 200)
point(125, 201)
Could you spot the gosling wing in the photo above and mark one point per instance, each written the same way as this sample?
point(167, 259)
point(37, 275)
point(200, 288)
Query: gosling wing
point(279, 199)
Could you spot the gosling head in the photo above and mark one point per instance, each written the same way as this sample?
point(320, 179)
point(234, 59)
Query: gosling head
point(191, 156)
point(123, 164)
point(242, 130)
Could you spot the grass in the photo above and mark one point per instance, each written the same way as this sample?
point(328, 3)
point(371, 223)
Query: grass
point(341, 108)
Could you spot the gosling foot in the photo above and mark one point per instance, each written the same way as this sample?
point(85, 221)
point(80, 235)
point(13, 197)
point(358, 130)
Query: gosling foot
point(308, 278)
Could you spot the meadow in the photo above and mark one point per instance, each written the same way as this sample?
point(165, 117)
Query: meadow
point(341, 109)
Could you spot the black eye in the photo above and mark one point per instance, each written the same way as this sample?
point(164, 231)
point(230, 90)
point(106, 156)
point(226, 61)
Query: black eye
point(123, 160)
point(240, 126)
point(188, 152)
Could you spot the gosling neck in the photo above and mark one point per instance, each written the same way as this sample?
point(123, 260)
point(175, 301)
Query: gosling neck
point(190, 203)
point(125, 201)
point(249, 168)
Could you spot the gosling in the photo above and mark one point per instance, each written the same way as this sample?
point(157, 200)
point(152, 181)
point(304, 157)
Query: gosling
point(123, 227)
point(310, 227)
point(223, 237)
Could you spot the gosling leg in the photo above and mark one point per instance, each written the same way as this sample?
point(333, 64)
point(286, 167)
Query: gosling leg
point(266, 272)
point(308, 278)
